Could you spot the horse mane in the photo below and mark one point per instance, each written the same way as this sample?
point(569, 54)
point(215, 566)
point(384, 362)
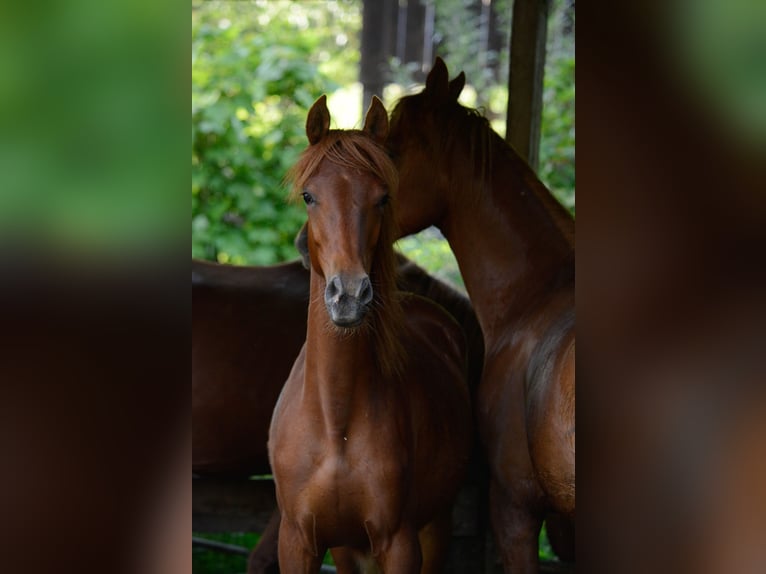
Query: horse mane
point(469, 128)
point(356, 150)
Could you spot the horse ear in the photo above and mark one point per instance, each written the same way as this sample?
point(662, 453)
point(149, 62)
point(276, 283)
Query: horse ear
point(318, 121)
point(456, 86)
point(302, 245)
point(376, 120)
point(438, 77)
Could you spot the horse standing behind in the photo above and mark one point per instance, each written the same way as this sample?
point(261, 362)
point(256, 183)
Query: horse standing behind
point(248, 324)
point(370, 438)
point(515, 247)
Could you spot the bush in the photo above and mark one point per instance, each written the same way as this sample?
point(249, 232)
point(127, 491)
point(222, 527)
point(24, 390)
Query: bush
point(255, 72)
point(557, 126)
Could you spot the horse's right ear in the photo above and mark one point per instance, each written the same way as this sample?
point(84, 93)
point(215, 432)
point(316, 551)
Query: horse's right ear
point(376, 120)
point(318, 121)
point(456, 86)
point(302, 245)
point(437, 80)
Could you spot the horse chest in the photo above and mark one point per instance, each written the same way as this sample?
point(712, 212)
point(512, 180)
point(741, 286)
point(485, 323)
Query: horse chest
point(354, 467)
point(344, 493)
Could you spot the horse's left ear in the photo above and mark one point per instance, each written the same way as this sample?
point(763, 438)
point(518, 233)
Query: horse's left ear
point(456, 86)
point(302, 245)
point(376, 121)
point(437, 79)
point(318, 120)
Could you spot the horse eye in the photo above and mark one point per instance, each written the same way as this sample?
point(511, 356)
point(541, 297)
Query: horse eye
point(383, 200)
point(308, 198)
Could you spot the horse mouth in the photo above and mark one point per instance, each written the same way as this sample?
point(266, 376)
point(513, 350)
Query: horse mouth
point(348, 323)
point(345, 317)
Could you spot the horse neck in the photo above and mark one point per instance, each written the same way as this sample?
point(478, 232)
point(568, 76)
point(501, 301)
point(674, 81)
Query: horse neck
point(339, 365)
point(512, 240)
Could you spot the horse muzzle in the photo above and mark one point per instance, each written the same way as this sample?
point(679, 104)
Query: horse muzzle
point(348, 299)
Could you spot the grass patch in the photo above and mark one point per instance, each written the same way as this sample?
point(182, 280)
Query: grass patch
point(205, 561)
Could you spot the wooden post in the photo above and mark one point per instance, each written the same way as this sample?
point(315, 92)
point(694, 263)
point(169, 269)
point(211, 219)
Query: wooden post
point(377, 30)
point(416, 25)
point(529, 31)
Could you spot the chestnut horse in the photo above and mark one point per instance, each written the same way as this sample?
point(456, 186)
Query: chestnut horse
point(249, 320)
point(370, 439)
point(514, 245)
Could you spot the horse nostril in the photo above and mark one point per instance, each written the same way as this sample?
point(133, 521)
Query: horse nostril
point(365, 291)
point(333, 289)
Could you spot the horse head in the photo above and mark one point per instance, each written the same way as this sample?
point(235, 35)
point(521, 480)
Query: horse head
point(417, 143)
point(346, 180)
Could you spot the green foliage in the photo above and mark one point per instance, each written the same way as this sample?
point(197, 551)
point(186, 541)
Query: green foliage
point(544, 551)
point(206, 561)
point(258, 66)
point(459, 39)
point(557, 127)
point(256, 69)
point(89, 127)
point(432, 252)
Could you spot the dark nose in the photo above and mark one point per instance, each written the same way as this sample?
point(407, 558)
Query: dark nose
point(347, 299)
point(334, 289)
point(362, 291)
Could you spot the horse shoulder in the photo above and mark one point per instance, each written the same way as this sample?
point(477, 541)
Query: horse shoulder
point(286, 418)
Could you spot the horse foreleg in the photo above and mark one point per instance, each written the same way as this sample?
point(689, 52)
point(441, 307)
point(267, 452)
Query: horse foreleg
point(265, 556)
point(517, 527)
point(348, 561)
point(434, 543)
point(561, 535)
point(294, 557)
point(403, 555)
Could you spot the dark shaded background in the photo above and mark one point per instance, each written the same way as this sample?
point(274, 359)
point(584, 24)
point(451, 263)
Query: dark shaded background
point(670, 299)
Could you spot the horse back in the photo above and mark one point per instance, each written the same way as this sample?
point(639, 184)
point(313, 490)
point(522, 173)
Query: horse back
point(248, 325)
point(215, 276)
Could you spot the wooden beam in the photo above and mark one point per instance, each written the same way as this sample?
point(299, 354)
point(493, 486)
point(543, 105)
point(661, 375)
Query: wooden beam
point(529, 32)
point(377, 31)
